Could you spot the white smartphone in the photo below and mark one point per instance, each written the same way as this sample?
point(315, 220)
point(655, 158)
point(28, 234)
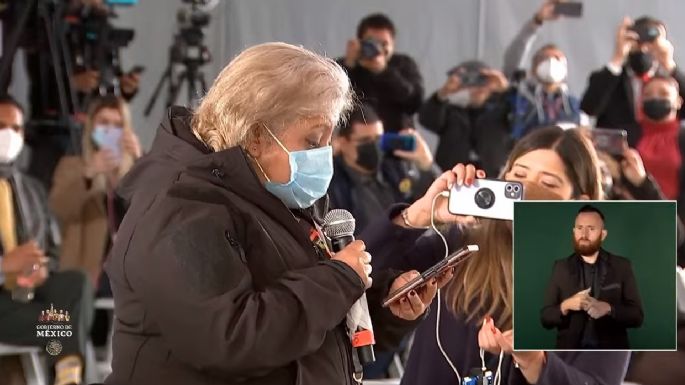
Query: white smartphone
point(486, 198)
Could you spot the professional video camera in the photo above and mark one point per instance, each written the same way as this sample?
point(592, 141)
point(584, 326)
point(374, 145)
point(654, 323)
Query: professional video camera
point(187, 51)
point(96, 44)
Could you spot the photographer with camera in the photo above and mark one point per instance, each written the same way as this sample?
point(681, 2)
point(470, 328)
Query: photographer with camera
point(364, 181)
point(389, 81)
point(613, 95)
point(453, 111)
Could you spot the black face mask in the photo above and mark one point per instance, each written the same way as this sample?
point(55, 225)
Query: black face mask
point(369, 155)
point(640, 62)
point(657, 109)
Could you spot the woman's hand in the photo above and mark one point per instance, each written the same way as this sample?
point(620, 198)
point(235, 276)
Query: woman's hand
point(130, 144)
point(414, 304)
point(355, 256)
point(101, 162)
point(419, 213)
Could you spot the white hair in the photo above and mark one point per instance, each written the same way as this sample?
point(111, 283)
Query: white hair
point(270, 84)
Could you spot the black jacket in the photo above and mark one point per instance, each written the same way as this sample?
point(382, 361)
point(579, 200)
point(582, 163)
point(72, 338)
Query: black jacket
point(396, 93)
point(454, 127)
point(34, 220)
point(405, 183)
point(610, 99)
point(216, 282)
point(617, 287)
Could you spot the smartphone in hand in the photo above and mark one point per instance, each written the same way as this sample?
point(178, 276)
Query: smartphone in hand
point(569, 9)
point(486, 198)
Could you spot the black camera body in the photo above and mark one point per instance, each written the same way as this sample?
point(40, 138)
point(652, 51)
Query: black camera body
point(646, 33)
point(370, 48)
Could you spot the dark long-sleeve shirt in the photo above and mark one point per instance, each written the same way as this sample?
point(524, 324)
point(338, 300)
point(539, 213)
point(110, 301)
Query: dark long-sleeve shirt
point(395, 247)
point(396, 93)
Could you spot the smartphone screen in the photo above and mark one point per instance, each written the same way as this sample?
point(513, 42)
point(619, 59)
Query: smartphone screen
point(569, 9)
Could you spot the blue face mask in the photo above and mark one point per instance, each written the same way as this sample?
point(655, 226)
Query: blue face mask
point(310, 174)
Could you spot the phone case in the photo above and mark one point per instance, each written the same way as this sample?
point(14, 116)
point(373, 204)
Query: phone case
point(434, 271)
point(609, 140)
point(109, 140)
point(486, 198)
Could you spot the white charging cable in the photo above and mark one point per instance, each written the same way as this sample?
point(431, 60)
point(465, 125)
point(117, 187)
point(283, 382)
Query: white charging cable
point(498, 377)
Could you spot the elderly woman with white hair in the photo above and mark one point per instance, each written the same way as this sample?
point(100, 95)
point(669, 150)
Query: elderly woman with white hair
point(219, 272)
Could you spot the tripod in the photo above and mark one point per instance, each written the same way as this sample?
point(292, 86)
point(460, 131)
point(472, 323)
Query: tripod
point(191, 75)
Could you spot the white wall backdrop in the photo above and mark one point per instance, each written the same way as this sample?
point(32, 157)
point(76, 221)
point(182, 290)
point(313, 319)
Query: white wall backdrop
point(437, 33)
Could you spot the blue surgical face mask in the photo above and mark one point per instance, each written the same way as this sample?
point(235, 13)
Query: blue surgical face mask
point(310, 174)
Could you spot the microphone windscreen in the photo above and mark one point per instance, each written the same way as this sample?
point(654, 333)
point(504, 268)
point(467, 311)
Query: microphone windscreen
point(338, 223)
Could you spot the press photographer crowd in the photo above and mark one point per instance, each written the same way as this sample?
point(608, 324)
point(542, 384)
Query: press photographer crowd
point(294, 226)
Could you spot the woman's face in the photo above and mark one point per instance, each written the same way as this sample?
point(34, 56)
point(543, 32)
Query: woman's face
point(304, 134)
point(545, 168)
point(108, 117)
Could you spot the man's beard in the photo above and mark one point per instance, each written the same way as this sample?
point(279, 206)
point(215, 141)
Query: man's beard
point(588, 247)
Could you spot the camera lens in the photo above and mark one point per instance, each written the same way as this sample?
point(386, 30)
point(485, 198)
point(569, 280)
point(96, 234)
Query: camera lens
point(516, 188)
point(508, 188)
point(484, 198)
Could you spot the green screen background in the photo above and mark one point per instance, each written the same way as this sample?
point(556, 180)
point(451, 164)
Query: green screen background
point(644, 232)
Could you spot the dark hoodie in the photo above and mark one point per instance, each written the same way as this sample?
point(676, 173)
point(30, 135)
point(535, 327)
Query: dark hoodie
point(214, 279)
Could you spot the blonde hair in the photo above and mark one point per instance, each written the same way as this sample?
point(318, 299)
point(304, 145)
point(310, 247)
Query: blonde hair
point(271, 84)
point(87, 145)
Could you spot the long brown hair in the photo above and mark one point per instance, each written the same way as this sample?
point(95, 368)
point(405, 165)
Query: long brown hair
point(483, 284)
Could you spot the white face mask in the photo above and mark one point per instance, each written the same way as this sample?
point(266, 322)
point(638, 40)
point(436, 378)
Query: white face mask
point(461, 98)
point(552, 70)
point(11, 144)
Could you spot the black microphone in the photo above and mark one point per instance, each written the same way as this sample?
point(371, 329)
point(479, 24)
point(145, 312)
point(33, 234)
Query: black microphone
point(339, 227)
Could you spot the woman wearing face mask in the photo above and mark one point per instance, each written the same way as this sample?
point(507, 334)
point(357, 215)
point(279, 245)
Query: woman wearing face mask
point(83, 192)
point(662, 144)
point(220, 271)
point(561, 162)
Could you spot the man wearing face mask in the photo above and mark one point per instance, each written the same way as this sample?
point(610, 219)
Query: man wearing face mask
point(29, 244)
point(541, 100)
point(365, 181)
point(390, 82)
point(453, 111)
point(613, 95)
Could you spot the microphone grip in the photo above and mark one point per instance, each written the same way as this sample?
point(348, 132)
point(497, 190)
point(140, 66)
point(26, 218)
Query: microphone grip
point(339, 243)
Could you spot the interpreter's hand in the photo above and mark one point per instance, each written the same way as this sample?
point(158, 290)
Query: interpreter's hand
point(355, 256)
point(419, 213)
point(598, 309)
point(86, 81)
point(352, 53)
point(131, 144)
point(452, 85)
point(625, 40)
point(23, 258)
point(101, 162)
point(421, 156)
point(577, 302)
point(633, 168)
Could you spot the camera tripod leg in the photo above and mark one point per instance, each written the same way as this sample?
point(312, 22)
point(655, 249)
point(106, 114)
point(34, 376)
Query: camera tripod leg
point(176, 88)
point(166, 76)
